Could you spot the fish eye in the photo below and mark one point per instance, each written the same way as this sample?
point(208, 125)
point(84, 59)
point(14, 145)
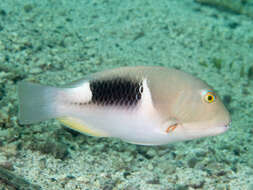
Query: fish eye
point(209, 97)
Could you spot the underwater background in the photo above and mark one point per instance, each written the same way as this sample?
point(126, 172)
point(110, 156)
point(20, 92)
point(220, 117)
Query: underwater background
point(54, 42)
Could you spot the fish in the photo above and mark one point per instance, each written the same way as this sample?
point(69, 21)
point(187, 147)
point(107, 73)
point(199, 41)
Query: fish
point(144, 105)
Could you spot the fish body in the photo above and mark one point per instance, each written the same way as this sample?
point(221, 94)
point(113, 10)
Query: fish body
point(145, 105)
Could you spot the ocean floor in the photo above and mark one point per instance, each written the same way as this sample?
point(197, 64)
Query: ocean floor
point(56, 42)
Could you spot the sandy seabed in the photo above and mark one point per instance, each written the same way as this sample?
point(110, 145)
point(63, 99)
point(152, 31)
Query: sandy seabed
point(55, 42)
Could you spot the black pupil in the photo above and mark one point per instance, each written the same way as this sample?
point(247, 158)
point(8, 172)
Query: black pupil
point(210, 98)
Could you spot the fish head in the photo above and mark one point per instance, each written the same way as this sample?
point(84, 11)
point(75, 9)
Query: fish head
point(199, 111)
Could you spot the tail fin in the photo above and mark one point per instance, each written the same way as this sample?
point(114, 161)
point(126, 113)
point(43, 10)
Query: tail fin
point(36, 102)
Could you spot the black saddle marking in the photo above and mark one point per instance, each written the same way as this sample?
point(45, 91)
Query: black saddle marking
point(116, 91)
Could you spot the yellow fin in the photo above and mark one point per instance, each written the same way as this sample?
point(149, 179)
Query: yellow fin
point(79, 126)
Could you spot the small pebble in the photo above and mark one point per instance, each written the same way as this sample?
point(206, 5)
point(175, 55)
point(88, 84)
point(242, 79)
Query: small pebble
point(151, 153)
point(150, 166)
point(192, 162)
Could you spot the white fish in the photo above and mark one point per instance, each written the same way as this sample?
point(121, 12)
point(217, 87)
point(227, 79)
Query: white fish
point(141, 105)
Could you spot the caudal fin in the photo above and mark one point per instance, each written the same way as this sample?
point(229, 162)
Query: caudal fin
point(36, 102)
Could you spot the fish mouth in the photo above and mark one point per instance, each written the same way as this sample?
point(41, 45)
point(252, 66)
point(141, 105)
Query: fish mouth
point(222, 128)
point(227, 126)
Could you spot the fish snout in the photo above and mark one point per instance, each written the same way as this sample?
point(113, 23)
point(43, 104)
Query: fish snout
point(228, 125)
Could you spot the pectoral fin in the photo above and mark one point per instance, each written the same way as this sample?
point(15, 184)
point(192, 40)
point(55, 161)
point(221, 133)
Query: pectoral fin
point(170, 125)
point(171, 128)
point(79, 126)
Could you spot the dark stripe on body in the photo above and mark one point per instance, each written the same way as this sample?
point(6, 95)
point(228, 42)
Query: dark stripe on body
point(116, 91)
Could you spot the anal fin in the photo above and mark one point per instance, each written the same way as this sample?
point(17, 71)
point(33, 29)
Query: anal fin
point(79, 126)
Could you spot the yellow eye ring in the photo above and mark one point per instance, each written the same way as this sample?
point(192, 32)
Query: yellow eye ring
point(209, 97)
